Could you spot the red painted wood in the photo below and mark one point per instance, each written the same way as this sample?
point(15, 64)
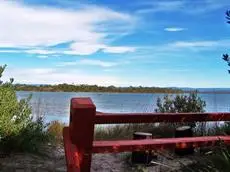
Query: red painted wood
point(116, 118)
point(71, 154)
point(82, 117)
point(78, 138)
point(137, 145)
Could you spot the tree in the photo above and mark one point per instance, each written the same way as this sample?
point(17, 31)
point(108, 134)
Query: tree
point(14, 114)
point(181, 103)
point(18, 130)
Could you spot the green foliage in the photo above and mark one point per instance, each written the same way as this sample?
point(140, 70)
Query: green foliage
point(181, 103)
point(94, 88)
point(14, 114)
point(18, 131)
point(29, 139)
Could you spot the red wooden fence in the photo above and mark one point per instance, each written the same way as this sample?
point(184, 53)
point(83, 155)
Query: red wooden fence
point(78, 137)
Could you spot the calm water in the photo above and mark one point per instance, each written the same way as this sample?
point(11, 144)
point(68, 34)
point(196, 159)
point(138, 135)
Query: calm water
point(55, 105)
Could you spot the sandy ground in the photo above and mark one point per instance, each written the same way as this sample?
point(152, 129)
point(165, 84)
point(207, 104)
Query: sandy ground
point(54, 160)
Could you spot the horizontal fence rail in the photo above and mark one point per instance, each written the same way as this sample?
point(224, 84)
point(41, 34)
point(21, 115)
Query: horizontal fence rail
point(116, 118)
point(78, 137)
point(157, 144)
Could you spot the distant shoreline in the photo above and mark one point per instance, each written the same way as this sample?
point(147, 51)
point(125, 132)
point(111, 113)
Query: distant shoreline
point(110, 89)
point(94, 88)
point(214, 92)
point(185, 92)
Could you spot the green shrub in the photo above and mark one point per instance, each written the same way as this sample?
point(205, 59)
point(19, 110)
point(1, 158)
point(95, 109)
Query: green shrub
point(14, 114)
point(30, 138)
point(18, 131)
point(181, 103)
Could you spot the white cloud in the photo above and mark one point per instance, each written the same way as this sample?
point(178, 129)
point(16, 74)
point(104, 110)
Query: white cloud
point(42, 71)
point(201, 44)
point(184, 44)
point(31, 27)
point(57, 76)
point(82, 48)
point(174, 29)
point(9, 51)
point(188, 7)
point(160, 6)
point(89, 62)
point(118, 49)
point(43, 56)
point(40, 51)
point(177, 49)
point(87, 49)
point(98, 63)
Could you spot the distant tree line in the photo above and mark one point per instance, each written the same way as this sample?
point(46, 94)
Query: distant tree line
point(94, 88)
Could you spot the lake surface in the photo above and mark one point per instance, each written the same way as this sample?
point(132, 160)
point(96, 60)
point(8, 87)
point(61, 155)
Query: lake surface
point(55, 105)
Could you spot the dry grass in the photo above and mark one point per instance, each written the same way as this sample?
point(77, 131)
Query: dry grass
point(55, 129)
point(126, 131)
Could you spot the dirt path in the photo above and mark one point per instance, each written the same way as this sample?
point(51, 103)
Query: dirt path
point(54, 161)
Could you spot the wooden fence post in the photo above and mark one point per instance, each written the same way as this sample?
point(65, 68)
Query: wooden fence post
point(82, 118)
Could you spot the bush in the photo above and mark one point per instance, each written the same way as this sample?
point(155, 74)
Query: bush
point(55, 129)
point(14, 114)
point(30, 138)
point(181, 103)
point(18, 131)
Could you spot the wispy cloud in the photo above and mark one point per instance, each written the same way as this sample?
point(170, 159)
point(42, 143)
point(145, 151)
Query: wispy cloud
point(188, 7)
point(31, 27)
point(57, 76)
point(74, 49)
point(174, 29)
point(10, 51)
point(40, 51)
point(200, 44)
point(89, 62)
point(162, 53)
point(175, 47)
point(86, 49)
point(160, 6)
point(118, 50)
point(98, 63)
point(42, 71)
point(42, 56)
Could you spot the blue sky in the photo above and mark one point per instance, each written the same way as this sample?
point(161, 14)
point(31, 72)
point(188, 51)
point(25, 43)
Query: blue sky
point(140, 42)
